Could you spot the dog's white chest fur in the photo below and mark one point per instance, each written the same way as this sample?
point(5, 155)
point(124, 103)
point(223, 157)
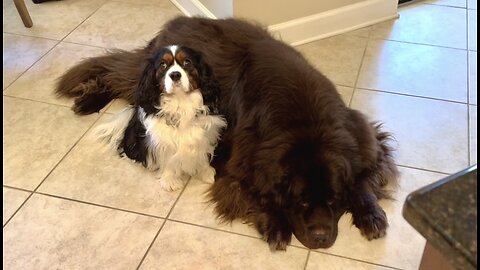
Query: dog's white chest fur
point(182, 135)
point(180, 138)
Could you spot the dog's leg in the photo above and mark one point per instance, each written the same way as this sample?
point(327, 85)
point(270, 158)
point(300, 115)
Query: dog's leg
point(273, 227)
point(170, 180)
point(368, 216)
point(207, 175)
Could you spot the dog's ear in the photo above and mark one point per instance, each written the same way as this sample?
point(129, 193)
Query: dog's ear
point(270, 171)
point(209, 87)
point(147, 94)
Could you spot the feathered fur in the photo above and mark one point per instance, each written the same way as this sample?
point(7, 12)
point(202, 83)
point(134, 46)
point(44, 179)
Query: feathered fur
point(294, 157)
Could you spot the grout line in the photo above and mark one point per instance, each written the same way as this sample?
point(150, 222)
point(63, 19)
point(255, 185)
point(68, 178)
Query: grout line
point(89, 45)
point(30, 36)
point(151, 244)
point(410, 95)
point(59, 41)
point(33, 64)
point(18, 209)
point(37, 101)
point(218, 229)
point(17, 188)
point(358, 72)
point(449, 6)
point(352, 259)
point(54, 167)
point(422, 169)
point(229, 232)
point(96, 204)
point(161, 227)
point(68, 152)
point(421, 44)
point(306, 260)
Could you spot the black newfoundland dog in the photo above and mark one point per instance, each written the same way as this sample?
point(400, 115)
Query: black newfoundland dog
point(293, 158)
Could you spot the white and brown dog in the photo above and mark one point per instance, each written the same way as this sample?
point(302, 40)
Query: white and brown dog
point(174, 125)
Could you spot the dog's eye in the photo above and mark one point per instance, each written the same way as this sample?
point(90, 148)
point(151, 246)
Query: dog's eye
point(304, 204)
point(187, 62)
point(163, 65)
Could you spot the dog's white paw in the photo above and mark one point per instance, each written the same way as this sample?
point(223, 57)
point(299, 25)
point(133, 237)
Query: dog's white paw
point(207, 175)
point(171, 183)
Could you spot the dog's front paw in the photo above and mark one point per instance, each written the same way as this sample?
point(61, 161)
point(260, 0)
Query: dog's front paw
point(171, 183)
point(207, 175)
point(372, 224)
point(278, 239)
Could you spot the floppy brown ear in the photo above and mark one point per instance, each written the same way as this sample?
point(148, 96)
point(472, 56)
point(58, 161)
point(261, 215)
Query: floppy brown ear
point(209, 86)
point(147, 94)
point(270, 169)
point(341, 174)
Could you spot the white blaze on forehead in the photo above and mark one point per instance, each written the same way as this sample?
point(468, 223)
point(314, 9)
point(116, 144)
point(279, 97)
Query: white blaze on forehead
point(173, 49)
point(182, 84)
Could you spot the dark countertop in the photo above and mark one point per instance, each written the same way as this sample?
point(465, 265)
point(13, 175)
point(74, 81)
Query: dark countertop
point(445, 213)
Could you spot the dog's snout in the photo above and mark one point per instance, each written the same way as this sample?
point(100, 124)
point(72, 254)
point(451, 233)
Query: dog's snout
point(175, 75)
point(320, 234)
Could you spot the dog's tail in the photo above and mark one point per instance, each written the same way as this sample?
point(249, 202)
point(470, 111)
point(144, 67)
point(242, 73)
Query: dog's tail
point(111, 132)
point(95, 81)
point(386, 171)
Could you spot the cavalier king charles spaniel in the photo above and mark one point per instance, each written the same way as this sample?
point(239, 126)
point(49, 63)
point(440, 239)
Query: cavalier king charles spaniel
point(173, 126)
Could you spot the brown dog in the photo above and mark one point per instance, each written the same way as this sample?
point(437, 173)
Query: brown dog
point(293, 158)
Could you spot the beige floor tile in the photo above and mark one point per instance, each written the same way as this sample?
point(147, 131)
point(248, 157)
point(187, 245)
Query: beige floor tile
point(53, 19)
point(472, 77)
point(346, 93)
point(472, 4)
point(415, 69)
point(36, 136)
point(402, 247)
point(19, 53)
point(473, 134)
point(39, 81)
point(158, 3)
point(116, 106)
point(430, 134)
point(203, 248)
point(451, 3)
point(338, 57)
point(12, 199)
point(193, 207)
point(472, 30)
point(51, 233)
point(426, 24)
point(122, 25)
point(362, 32)
point(95, 174)
point(323, 261)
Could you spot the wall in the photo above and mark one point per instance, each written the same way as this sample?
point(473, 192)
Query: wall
point(297, 21)
point(270, 12)
point(220, 8)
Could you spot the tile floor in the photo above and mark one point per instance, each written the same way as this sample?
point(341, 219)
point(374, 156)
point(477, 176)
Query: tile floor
point(69, 204)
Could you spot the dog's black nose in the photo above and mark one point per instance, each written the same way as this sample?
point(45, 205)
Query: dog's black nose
point(320, 234)
point(175, 76)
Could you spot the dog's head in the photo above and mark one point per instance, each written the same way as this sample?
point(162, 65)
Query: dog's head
point(174, 69)
point(308, 187)
point(316, 196)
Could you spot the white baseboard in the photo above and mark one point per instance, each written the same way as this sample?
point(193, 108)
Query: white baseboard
point(317, 26)
point(334, 22)
point(193, 8)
